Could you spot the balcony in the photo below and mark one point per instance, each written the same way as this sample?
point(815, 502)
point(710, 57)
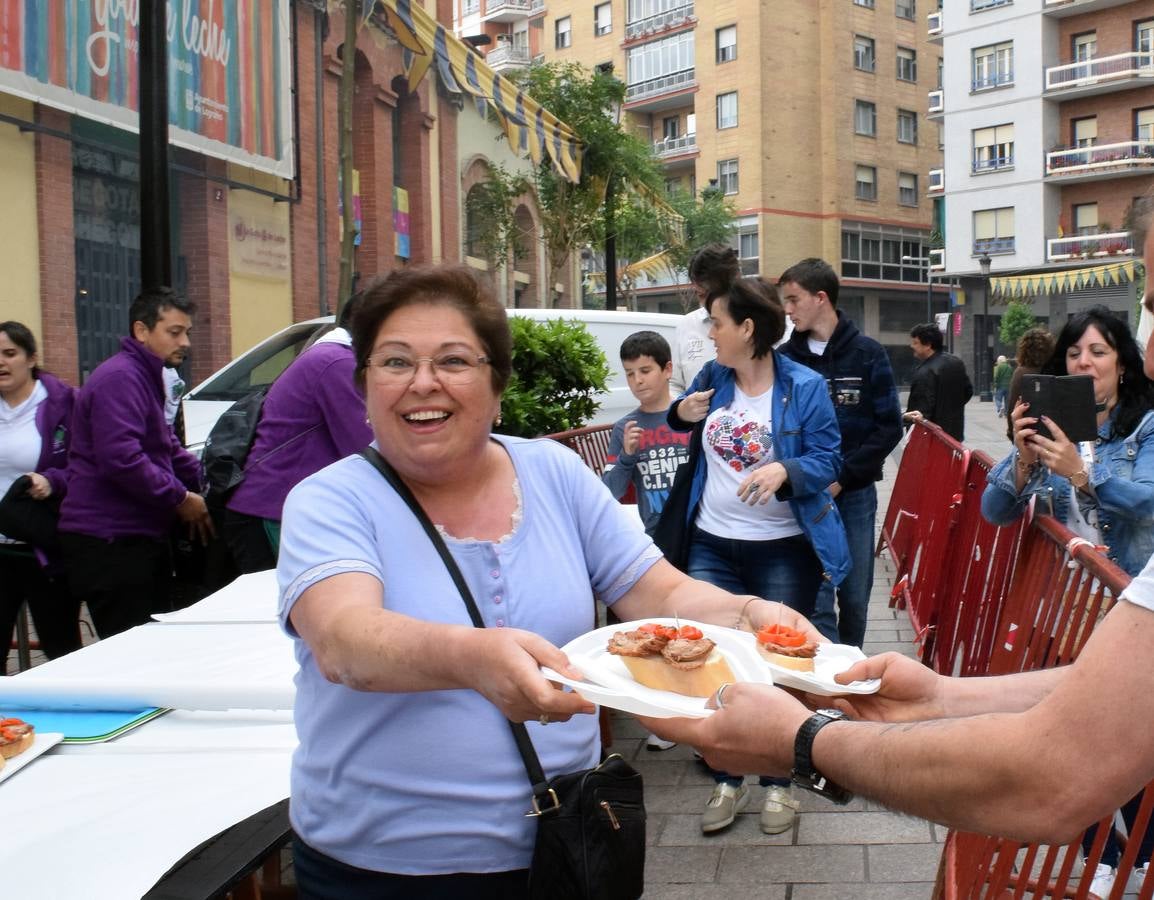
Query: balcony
point(505, 57)
point(506, 10)
point(1101, 75)
point(1121, 160)
point(934, 25)
point(937, 107)
point(1089, 246)
point(981, 5)
point(936, 183)
point(664, 92)
point(663, 21)
point(938, 260)
point(1061, 8)
point(993, 246)
point(676, 146)
point(536, 7)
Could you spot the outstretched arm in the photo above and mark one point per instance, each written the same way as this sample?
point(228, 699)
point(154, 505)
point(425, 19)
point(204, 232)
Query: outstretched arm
point(1019, 774)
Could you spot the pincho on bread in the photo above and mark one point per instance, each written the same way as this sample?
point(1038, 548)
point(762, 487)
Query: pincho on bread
point(786, 647)
point(16, 736)
point(681, 660)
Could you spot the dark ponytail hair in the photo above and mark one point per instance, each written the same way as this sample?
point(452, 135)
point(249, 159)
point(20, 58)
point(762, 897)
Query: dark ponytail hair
point(714, 268)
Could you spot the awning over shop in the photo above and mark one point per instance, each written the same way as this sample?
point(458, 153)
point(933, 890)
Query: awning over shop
point(532, 130)
point(1064, 282)
point(653, 267)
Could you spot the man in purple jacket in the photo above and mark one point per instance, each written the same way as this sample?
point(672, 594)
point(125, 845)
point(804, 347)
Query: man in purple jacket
point(313, 415)
point(128, 476)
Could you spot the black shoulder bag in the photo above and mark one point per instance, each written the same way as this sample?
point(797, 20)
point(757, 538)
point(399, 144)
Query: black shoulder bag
point(672, 532)
point(590, 824)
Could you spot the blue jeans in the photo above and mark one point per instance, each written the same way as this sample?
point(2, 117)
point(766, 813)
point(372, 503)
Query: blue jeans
point(786, 570)
point(1000, 396)
point(858, 510)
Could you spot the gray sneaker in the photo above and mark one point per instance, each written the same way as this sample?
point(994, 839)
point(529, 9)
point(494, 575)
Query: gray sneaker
point(779, 809)
point(723, 806)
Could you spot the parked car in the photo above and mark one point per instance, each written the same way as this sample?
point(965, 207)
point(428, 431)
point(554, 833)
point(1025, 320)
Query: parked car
point(259, 366)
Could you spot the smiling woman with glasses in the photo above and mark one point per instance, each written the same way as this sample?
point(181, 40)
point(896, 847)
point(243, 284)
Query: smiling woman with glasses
point(407, 782)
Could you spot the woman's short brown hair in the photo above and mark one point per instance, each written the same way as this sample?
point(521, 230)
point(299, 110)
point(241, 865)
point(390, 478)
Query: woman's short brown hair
point(755, 299)
point(448, 285)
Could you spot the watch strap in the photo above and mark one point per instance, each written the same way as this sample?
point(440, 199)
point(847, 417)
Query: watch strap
point(805, 773)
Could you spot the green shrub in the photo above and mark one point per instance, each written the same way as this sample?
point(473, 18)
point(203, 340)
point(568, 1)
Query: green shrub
point(1016, 321)
point(558, 373)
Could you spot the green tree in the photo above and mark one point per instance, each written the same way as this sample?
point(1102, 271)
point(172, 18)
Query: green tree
point(710, 219)
point(558, 373)
point(572, 215)
point(1019, 319)
point(489, 205)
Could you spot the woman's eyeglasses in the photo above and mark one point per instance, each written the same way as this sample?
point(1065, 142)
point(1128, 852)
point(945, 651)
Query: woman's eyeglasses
point(448, 368)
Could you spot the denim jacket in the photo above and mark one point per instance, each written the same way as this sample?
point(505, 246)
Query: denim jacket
point(1123, 482)
point(806, 440)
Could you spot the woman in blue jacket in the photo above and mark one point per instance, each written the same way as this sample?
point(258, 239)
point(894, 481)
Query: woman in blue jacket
point(35, 420)
point(1105, 496)
point(761, 518)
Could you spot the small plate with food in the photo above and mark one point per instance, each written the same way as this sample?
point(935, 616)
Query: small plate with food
point(799, 663)
point(20, 743)
point(661, 667)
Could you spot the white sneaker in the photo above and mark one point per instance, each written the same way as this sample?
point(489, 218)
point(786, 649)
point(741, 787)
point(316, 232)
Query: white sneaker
point(778, 812)
point(1138, 878)
point(723, 806)
point(1103, 881)
point(653, 742)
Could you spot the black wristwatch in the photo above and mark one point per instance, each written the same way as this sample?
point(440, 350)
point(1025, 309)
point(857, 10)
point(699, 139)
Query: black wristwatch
point(804, 773)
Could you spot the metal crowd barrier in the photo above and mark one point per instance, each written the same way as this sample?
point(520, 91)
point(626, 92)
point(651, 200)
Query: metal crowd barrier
point(922, 513)
point(988, 600)
point(591, 443)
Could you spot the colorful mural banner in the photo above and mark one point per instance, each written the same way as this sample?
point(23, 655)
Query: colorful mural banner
point(229, 70)
point(401, 223)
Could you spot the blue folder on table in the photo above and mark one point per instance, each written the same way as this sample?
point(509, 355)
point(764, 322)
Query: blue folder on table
point(82, 726)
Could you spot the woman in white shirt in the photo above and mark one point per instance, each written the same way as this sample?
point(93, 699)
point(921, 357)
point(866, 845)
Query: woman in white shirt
point(35, 424)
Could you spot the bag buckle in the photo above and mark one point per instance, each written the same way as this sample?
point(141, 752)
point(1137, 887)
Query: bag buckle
point(538, 811)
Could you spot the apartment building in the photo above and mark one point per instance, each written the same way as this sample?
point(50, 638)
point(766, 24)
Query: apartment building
point(1047, 108)
point(810, 116)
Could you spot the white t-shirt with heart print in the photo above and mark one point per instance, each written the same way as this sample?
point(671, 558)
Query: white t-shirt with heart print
point(738, 439)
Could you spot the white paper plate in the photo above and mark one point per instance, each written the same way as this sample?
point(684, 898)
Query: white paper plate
point(831, 659)
point(610, 684)
point(41, 744)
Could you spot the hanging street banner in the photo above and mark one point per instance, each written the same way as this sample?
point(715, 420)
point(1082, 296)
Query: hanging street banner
point(229, 70)
point(1064, 282)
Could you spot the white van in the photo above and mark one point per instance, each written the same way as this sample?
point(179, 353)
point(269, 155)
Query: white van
point(204, 404)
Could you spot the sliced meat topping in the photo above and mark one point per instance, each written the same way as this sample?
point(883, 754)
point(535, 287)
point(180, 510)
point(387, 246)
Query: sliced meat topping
point(636, 643)
point(684, 654)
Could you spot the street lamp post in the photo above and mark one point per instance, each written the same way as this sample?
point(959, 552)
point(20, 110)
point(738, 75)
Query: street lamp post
point(983, 368)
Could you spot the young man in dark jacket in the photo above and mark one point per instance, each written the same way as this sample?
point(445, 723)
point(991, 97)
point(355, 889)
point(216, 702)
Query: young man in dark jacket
point(129, 479)
point(861, 386)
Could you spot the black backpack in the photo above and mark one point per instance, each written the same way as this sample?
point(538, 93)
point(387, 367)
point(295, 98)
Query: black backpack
point(228, 445)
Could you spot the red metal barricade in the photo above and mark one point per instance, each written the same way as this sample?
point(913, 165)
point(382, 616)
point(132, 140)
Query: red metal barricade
point(591, 443)
point(921, 516)
point(978, 570)
point(999, 600)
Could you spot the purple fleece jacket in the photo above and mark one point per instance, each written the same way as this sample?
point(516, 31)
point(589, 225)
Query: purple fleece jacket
point(54, 424)
point(127, 473)
point(313, 416)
